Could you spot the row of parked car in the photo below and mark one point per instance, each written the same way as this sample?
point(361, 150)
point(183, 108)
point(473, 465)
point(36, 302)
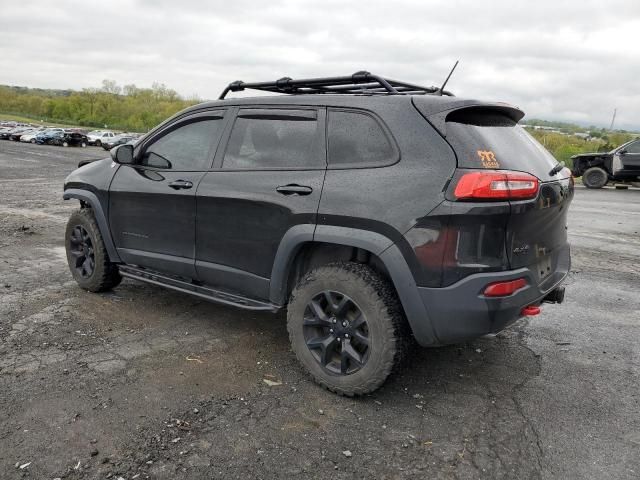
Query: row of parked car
point(65, 137)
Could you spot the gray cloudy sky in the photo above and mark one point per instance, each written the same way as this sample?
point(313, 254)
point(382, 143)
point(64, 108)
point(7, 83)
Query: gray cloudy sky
point(566, 60)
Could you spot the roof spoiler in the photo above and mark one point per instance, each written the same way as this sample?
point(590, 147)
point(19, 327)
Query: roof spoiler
point(437, 113)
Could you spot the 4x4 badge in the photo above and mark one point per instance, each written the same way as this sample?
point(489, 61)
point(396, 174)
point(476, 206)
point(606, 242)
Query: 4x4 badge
point(488, 159)
point(521, 249)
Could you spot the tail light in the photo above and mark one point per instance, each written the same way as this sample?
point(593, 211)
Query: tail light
point(496, 185)
point(504, 289)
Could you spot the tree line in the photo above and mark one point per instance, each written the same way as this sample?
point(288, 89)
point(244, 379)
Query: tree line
point(128, 108)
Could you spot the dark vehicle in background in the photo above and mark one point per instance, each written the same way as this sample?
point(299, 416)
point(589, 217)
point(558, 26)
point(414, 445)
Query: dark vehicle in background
point(70, 139)
point(7, 134)
point(622, 164)
point(49, 136)
point(64, 138)
point(121, 139)
point(380, 214)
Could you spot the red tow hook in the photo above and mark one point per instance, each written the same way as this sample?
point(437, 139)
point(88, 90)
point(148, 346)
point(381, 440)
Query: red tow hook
point(530, 311)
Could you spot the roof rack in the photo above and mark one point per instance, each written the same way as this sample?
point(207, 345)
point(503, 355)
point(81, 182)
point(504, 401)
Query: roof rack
point(357, 84)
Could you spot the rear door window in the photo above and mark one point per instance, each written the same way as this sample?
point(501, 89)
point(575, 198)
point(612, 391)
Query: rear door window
point(263, 139)
point(488, 138)
point(357, 140)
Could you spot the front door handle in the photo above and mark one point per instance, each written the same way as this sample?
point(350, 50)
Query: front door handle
point(293, 189)
point(181, 184)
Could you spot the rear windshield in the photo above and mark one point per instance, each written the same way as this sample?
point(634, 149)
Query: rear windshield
point(491, 139)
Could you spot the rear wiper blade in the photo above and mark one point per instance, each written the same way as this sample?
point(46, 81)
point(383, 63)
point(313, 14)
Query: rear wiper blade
point(559, 166)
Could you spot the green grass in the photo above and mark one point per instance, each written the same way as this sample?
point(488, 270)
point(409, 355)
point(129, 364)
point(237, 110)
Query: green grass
point(35, 121)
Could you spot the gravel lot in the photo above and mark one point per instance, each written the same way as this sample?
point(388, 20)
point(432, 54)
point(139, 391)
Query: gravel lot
point(146, 383)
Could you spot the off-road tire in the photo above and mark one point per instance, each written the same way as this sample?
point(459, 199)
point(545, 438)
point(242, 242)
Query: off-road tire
point(595, 177)
point(105, 274)
point(389, 333)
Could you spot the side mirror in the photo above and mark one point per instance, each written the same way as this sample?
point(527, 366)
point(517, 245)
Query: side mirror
point(622, 152)
point(122, 154)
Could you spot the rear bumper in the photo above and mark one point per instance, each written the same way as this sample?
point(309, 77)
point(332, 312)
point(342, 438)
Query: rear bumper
point(460, 312)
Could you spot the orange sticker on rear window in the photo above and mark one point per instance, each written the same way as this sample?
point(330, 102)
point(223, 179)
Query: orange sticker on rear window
point(488, 159)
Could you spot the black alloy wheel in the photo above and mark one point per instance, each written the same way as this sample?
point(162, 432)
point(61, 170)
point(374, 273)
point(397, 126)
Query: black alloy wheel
point(336, 332)
point(82, 250)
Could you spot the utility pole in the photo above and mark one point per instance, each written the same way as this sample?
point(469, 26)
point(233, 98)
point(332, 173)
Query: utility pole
point(613, 119)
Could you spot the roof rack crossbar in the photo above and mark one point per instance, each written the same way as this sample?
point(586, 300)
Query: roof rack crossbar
point(357, 84)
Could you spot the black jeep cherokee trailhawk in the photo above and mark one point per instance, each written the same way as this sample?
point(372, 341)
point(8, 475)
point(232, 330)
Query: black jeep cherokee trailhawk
point(373, 210)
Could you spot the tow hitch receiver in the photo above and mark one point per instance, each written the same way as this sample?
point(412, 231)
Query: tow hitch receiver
point(530, 311)
point(555, 296)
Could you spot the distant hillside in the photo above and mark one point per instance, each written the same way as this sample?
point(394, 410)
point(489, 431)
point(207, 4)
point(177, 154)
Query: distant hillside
point(110, 106)
point(45, 92)
point(570, 127)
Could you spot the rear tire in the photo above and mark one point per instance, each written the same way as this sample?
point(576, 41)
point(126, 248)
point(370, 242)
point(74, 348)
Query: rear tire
point(347, 328)
point(86, 254)
point(595, 177)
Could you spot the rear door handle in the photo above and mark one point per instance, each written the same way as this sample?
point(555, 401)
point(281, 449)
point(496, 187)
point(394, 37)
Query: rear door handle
point(181, 184)
point(293, 189)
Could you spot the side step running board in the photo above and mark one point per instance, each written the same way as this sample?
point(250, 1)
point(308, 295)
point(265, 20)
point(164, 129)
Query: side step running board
point(207, 293)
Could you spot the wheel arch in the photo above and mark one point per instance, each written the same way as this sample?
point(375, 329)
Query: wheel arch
point(350, 244)
point(90, 199)
point(581, 165)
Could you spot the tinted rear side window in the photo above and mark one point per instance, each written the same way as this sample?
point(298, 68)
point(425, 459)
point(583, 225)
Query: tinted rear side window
point(264, 139)
point(485, 138)
point(357, 140)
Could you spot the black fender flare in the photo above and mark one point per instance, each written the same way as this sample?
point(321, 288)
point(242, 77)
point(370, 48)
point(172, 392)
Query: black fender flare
point(376, 243)
point(91, 199)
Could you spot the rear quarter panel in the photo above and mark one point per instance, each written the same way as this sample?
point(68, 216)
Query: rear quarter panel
point(391, 200)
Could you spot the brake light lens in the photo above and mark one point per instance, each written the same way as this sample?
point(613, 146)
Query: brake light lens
point(504, 289)
point(496, 185)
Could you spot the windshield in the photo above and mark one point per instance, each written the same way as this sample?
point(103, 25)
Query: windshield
point(623, 146)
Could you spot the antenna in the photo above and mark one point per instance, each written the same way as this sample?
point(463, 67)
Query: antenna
point(613, 119)
point(447, 79)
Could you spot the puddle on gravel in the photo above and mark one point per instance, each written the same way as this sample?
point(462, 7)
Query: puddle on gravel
point(29, 213)
point(60, 253)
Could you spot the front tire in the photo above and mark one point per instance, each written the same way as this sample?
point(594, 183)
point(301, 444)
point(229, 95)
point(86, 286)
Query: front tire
point(98, 143)
point(86, 254)
point(346, 327)
point(595, 177)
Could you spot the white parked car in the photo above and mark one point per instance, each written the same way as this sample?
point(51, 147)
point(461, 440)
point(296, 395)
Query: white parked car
point(30, 136)
point(98, 137)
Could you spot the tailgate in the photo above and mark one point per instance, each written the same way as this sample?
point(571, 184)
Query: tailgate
point(537, 229)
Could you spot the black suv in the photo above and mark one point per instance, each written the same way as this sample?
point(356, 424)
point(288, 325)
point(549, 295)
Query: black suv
point(622, 164)
point(374, 211)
